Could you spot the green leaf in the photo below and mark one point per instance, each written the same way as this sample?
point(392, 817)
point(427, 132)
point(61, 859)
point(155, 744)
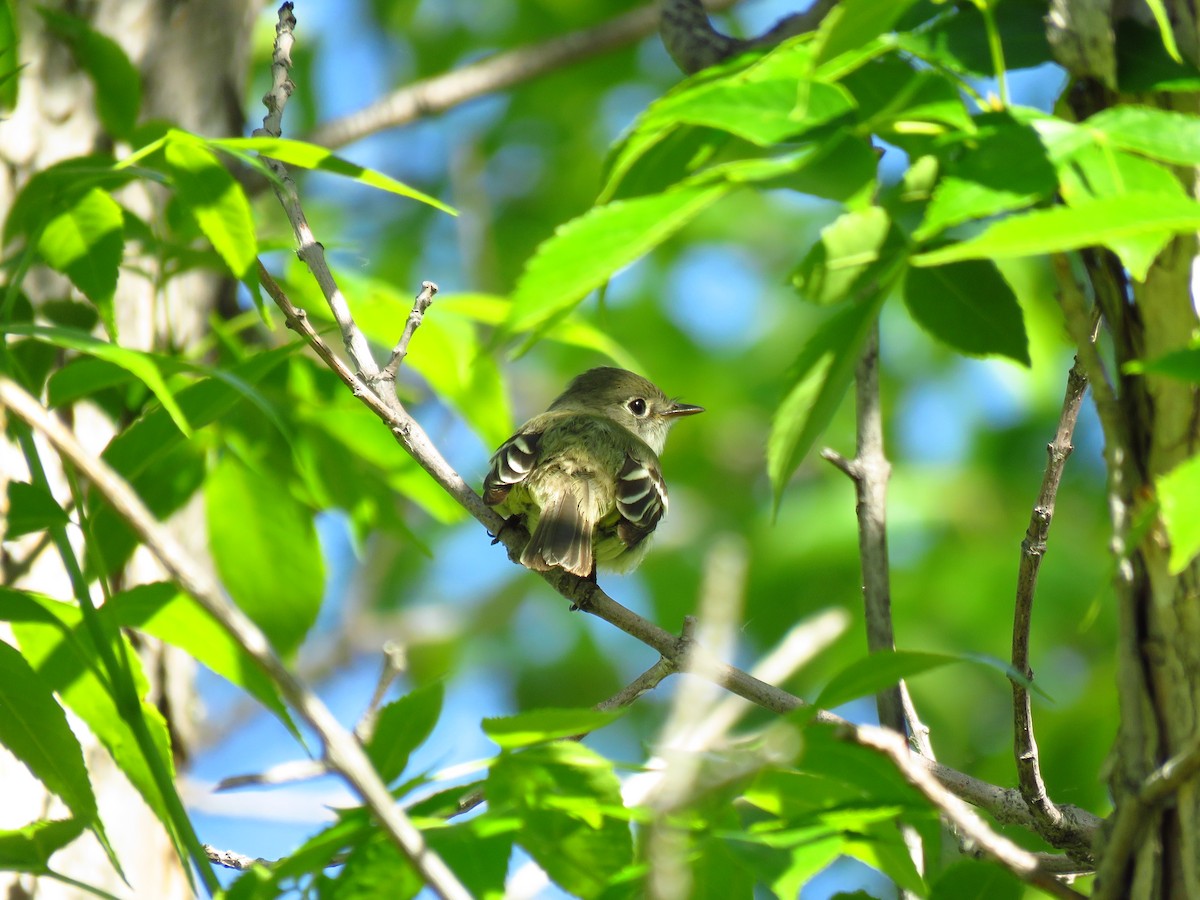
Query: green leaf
point(1103, 222)
point(856, 248)
point(1158, 133)
point(1144, 66)
point(541, 725)
point(970, 307)
point(402, 726)
point(818, 380)
point(31, 509)
point(1181, 364)
point(146, 367)
point(477, 852)
point(162, 611)
point(564, 795)
point(86, 243)
point(216, 201)
point(585, 252)
point(56, 644)
point(1165, 29)
point(29, 849)
point(253, 520)
point(10, 67)
point(84, 377)
point(59, 187)
point(876, 672)
point(311, 156)
point(118, 83)
point(1003, 166)
point(1179, 497)
point(33, 727)
point(978, 880)
point(853, 23)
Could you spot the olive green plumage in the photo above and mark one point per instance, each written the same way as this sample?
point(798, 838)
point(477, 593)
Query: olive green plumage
point(585, 475)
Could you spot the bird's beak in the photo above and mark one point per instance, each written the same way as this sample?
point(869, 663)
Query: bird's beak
point(683, 409)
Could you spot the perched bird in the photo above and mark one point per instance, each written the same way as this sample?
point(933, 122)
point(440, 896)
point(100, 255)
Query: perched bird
point(585, 476)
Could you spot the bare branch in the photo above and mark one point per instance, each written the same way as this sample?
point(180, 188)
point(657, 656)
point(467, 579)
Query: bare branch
point(435, 95)
point(424, 298)
point(1033, 548)
point(231, 859)
point(342, 751)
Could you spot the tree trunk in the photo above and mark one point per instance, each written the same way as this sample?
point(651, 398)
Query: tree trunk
point(193, 58)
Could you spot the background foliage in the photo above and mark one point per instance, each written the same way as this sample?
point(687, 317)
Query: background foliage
point(744, 237)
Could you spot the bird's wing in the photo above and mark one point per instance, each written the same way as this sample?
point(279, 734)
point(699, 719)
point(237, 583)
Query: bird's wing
point(511, 463)
point(641, 496)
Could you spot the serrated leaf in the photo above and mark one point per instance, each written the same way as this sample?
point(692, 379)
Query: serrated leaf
point(86, 243)
point(541, 725)
point(817, 383)
point(216, 201)
point(1179, 497)
point(31, 509)
point(1104, 222)
point(162, 611)
point(33, 727)
point(402, 726)
point(312, 156)
point(564, 794)
point(118, 82)
point(585, 252)
point(970, 307)
point(253, 520)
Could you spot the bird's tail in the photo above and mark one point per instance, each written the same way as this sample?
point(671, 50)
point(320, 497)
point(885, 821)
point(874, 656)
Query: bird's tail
point(563, 536)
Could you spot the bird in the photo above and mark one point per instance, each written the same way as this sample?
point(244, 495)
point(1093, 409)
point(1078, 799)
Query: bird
point(584, 476)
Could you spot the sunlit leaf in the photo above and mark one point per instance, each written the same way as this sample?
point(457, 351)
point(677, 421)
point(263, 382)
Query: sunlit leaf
point(31, 509)
point(86, 242)
point(541, 725)
point(1179, 496)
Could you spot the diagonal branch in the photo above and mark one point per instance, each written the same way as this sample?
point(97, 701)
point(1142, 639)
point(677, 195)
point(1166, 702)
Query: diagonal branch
point(432, 96)
point(344, 753)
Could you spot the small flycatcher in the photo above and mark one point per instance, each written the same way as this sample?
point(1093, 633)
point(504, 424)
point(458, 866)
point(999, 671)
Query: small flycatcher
point(585, 476)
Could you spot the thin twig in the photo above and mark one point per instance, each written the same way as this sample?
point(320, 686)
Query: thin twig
point(424, 298)
point(394, 662)
point(231, 859)
point(1033, 548)
point(342, 751)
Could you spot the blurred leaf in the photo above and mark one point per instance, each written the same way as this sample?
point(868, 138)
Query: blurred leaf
point(252, 519)
point(1179, 496)
point(162, 611)
point(29, 849)
point(585, 252)
point(1102, 222)
point(1181, 364)
point(86, 243)
point(146, 367)
point(10, 67)
point(541, 725)
point(118, 83)
point(978, 880)
point(312, 156)
point(402, 726)
point(31, 509)
point(216, 201)
point(565, 795)
point(856, 248)
point(1158, 133)
point(818, 381)
point(1144, 66)
point(84, 377)
point(375, 868)
point(852, 23)
point(477, 853)
point(876, 672)
point(33, 727)
point(970, 307)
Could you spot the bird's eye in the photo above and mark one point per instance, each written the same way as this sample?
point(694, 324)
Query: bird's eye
point(637, 406)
